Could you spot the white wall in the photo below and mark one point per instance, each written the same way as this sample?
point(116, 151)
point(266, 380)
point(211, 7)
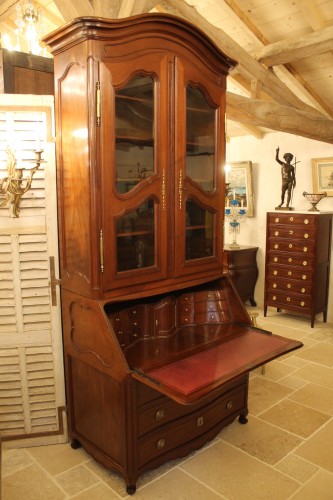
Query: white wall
point(266, 174)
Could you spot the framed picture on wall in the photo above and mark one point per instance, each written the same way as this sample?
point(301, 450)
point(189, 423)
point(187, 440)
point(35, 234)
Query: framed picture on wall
point(322, 175)
point(239, 178)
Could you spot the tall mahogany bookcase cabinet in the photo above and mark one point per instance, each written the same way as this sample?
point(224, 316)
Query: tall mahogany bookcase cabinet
point(158, 344)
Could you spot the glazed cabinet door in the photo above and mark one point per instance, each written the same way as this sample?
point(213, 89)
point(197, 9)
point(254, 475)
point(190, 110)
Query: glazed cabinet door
point(134, 140)
point(199, 132)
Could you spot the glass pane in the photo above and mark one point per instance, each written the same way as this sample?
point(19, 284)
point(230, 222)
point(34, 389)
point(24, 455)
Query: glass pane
point(135, 238)
point(199, 231)
point(134, 130)
point(200, 139)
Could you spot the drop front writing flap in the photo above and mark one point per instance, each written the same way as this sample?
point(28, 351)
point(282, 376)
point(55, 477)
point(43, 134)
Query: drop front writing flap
point(189, 379)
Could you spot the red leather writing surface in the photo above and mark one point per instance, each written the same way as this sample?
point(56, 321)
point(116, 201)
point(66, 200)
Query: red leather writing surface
point(241, 354)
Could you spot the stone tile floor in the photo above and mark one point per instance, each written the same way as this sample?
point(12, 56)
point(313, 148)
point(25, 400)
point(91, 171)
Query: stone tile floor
point(284, 452)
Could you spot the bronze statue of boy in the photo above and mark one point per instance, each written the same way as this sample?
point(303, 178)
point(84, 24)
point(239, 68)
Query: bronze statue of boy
point(288, 177)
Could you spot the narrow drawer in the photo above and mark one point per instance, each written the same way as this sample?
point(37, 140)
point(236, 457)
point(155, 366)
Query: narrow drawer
point(288, 301)
point(305, 247)
point(292, 286)
point(306, 220)
point(291, 233)
point(282, 259)
point(291, 273)
point(190, 426)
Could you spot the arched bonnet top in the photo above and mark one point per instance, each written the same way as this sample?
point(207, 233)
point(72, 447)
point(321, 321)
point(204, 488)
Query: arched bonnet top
point(156, 26)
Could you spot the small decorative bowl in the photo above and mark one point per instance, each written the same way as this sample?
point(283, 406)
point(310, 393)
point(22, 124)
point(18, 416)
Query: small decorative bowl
point(314, 199)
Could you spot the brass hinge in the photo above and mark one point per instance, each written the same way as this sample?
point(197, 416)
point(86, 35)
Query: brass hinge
point(53, 282)
point(101, 250)
point(98, 104)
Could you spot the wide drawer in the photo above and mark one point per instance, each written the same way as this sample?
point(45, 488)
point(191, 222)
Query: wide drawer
point(165, 410)
point(303, 247)
point(291, 273)
point(188, 428)
point(288, 301)
point(306, 220)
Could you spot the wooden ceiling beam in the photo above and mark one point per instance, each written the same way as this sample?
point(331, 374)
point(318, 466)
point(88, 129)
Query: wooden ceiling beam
point(69, 9)
point(276, 117)
point(271, 84)
point(294, 49)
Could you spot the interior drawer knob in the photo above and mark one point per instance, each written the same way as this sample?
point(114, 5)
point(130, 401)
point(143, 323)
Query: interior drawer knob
point(160, 444)
point(276, 233)
point(306, 235)
point(159, 415)
point(200, 421)
point(305, 262)
point(229, 405)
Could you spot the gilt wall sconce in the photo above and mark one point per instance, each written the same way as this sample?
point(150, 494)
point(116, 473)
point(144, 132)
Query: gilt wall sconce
point(15, 185)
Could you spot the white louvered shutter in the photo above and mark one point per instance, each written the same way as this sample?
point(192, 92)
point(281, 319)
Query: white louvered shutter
point(31, 367)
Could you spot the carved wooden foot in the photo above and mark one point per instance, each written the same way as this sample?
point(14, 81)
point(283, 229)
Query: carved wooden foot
point(131, 490)
point(242, 419)
point(75, 444)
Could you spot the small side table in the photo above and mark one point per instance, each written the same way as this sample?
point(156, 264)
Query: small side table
point(241, 265)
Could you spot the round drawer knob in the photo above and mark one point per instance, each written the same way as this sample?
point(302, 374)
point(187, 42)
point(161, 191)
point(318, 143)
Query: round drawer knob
point(290, 245)
point(160, 444)
point(229, 405)
point(212, 316)
point(117, 319)
point(275, 272)
point(274, 285)
point(291, 219)
point(134, 312)
point(305, 249)
point(289, 273)
point(303, 290)
point(306, 236)
point(186, 320)
point(277, 219)
point(274, 297)
point(288, 299)
point(306, 221)
point(159, 415)
point(305, 262)
point(200, 421)
point(276, 246)
point(303, 276)
point(289, 285)
point(302, 303)
point(276, 233)
point(275, 259)
point(291, 232)
point(290, 259)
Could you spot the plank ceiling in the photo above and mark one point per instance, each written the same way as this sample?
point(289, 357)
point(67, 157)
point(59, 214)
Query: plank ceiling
point(284, 48)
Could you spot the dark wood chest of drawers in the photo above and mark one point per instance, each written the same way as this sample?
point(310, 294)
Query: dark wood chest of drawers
point(298, 247)
point(241, 266)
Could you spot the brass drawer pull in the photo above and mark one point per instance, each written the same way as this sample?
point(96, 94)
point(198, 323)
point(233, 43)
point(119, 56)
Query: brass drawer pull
point(274, 285)
point(291, 232)
point(291, 219)
point(290, 245)
point(275, 259)
point(289, 273)
point(303, 290)
point(305, 262)
point(276, 246)
point(303, 276)
point(200, 421)
point(289, 285)
point(290, 259)
point(275, 273)
point(274, 297)
point(160, 444)
point(159, 415)
point(302, 303)
point(305, 249)
point(288, 299)
point(306, 221)
point(277, 219)
point(306, 235)
point(276, 233)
